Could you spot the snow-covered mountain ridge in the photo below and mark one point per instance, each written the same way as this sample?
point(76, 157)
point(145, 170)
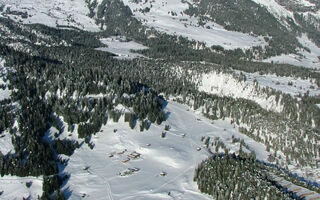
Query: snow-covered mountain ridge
point(170, 17)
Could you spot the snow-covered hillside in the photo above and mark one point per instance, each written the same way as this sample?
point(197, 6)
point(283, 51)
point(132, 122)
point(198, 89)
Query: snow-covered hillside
point(168, 16)
point(51, 13)
point(129, 164)
point(6, 144)
point(307, 59)
point(280, 12)
point(226, 85)
point(121, 47)
point(289, 85)
point(4, 92)
point(14, 188)
point(165, 166)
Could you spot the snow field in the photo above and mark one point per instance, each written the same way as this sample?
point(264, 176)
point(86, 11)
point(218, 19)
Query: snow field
point(15, 188)
point(4, 93)
point(52, 13)
point(283, 84)
point(179, 23)
point(165, 166)
point(6, 145)
point(121, 47)
point(306, 59)
point(226, 85)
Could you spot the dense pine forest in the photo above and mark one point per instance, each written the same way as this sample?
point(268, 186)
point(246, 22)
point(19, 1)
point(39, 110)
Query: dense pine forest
point(222, 177)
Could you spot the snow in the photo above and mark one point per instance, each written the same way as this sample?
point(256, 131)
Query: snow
point(6, 145)
point(315, 51)
point(122, 109)
point(299, 86)
point(4, 93)
point(174, 155)
point(14, 187)
point(187, 26)
point(226, 85)
point(298, 190)
point(306, 3)
point(119, 46)
point(280, 12)
point(310, 60)
point(52, 13)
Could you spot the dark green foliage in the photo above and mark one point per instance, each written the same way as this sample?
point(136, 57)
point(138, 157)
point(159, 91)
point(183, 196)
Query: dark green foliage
point(85, 130)
point(33, 119)
point(91, 145)
point(6, 116)
point(57, 124)
point(131, 118)
point(248, 17)
point(64, 146)
point(51, 184)
point(115, 11)
point(28, 184)
point(307, 26)
point(92, 4)
point(236, 177)
point(58, 195)
point(144, 125)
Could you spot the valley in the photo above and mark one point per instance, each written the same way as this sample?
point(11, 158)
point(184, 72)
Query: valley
point(181, 99)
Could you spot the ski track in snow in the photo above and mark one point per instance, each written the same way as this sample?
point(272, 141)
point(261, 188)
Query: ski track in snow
point(14, 187)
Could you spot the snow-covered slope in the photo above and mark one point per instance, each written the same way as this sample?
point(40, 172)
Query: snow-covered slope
point(226, 85)
point(167, 16)
point(223, 84)
point(14, 188)
point(4, 93)
point(176, 155)
point(306, 59)
point(289, 85)
point(121, 47)
point(51, 13)
point(300, 191)
point(5, 143)
point(282, 12)
point(277, 10)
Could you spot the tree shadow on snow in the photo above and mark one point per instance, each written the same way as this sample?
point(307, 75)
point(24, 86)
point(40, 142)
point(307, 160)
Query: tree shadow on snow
point(67, 193)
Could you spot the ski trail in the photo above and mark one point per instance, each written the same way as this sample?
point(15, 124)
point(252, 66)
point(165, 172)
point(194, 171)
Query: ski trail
point(109, 193)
